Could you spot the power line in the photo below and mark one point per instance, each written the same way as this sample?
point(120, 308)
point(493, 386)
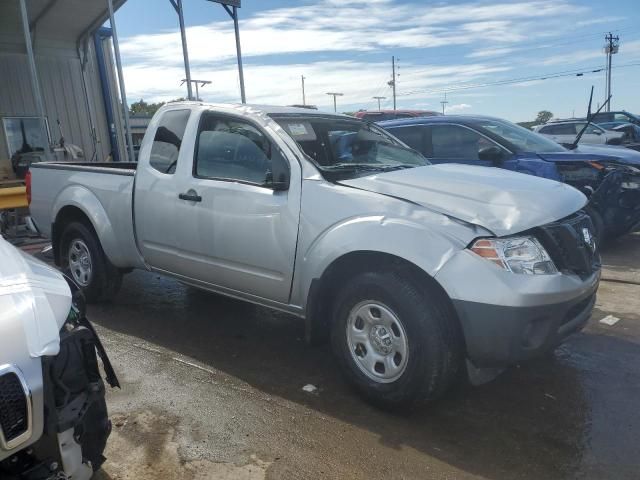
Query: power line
point(569, 73)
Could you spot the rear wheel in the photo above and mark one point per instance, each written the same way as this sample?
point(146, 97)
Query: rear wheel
point(397, 341)
point(86, 263)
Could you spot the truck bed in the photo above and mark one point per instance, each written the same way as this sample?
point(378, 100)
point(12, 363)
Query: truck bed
point(103, 192)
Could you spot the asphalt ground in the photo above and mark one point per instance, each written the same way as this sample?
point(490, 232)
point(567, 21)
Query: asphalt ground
point(212, 389)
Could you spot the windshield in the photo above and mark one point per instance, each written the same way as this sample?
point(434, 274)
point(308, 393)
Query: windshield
point(348, 147)
point(520, 138)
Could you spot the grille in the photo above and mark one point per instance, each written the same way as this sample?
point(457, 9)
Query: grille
point(13, 407)
point(571, 244)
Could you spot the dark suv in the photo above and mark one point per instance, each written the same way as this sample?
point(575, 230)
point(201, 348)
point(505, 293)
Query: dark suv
point(609, 176)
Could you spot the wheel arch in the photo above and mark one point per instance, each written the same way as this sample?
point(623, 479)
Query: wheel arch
point(318, 308)
point(77, 203)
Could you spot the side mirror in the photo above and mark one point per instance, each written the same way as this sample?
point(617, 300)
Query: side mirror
point(279, 184)
point(493, 154)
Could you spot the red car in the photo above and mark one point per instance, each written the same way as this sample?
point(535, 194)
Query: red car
point(380, 115)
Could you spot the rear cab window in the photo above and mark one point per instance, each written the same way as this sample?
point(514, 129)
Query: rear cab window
point(168, 140)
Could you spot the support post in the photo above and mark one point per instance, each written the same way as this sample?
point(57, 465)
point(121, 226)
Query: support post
point(123, 93)
point(177, 5)
point(35, 84)
point(236, 27)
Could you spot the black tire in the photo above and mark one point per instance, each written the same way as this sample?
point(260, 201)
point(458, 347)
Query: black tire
point(435, 349)
point(105, 279)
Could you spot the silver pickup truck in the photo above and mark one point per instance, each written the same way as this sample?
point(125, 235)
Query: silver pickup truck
point(416, 272)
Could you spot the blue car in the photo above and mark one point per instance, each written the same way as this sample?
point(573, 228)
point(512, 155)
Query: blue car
point(608, 176)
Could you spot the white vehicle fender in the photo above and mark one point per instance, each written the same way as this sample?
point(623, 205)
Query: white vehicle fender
point(427, 248)
point(85, 200)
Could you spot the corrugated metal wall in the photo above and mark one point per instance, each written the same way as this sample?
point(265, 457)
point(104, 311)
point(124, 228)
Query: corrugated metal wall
point(60, 76)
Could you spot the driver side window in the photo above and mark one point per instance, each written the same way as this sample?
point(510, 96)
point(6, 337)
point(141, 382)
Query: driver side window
point(456, 142)
point(231, 149)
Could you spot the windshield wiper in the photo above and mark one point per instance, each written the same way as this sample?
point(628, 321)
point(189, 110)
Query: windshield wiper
point(590, 117)
point(367, 166)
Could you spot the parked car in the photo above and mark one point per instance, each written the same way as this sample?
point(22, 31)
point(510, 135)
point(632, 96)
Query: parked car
point(608, 175)
point(410, 268)
point(565, 133)
point(631, 131)
point(618, 116)
point(380, 115)
point(53, 415)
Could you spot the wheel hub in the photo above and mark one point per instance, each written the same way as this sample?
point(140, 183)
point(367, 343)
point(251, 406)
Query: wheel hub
point(381, 339)
point(79, 260)
point(377, 341)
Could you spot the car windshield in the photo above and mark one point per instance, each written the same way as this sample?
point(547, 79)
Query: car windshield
point(348, 147)
point(520, 138)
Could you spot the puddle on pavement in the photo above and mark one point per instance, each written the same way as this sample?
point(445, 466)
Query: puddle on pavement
point(143, 446)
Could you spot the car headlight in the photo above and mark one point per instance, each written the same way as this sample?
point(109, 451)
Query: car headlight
point(517, 254)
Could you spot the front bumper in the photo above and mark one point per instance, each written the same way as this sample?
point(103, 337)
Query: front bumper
point(498, 335)
point(507, 318)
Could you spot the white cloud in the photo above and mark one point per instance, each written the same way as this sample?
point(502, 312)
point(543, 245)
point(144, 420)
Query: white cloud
point(457, 107)
point(338, 27)
point(491, 52)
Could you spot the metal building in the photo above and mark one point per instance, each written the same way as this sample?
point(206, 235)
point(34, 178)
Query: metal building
point(72, 73)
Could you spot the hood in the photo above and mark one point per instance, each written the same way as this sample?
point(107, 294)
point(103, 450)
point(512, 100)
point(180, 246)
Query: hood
point(501, 201)
point(34, 295)
point(598, 153)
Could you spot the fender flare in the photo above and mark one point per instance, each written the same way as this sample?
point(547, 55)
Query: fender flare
point(86, 201)
point(426, 248)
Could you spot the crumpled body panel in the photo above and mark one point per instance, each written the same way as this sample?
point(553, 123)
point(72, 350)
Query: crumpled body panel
point(501, 201)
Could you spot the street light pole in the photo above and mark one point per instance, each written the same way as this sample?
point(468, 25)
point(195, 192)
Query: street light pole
point(334, 95)
point(379, 98)
point(304, 99)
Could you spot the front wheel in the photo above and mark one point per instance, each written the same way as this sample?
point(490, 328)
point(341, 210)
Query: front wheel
point(86, 263)
point(397, 341)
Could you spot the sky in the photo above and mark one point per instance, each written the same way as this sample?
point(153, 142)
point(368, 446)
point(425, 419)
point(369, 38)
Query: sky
point(507, 58)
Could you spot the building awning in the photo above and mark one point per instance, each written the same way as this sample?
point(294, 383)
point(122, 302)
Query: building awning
point(57, 20)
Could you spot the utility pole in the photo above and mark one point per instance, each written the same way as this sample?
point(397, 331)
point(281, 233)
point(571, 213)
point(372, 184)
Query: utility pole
point(610, 48)
point(379, 98)
point(334, 95)
point(392, 83)
point(304, 99)
point(444, 102)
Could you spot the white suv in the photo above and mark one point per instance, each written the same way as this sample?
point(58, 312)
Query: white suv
point(566, 132)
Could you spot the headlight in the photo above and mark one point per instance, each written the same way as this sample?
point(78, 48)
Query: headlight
point(518, 255)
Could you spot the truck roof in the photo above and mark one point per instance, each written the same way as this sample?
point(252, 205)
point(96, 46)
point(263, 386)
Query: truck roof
point(261, 109)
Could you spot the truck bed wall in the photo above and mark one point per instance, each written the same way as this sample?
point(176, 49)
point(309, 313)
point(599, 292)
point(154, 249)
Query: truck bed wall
point(103, 192)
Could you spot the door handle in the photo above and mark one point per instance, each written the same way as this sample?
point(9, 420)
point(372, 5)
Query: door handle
point(190, 196)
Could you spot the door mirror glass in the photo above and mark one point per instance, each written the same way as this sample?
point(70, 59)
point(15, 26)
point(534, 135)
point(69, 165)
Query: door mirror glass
point(493, 154)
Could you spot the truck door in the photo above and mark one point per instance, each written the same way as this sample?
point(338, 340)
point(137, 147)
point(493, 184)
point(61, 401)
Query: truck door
point(156, 191)
point(238, 209)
